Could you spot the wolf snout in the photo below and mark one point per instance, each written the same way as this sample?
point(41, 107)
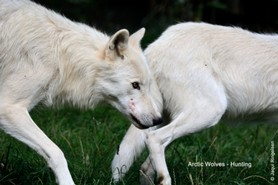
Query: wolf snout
point(145, 125)
point(137, 123)
point(157, 121)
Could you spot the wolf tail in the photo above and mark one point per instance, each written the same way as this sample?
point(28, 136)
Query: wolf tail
point(131, 147)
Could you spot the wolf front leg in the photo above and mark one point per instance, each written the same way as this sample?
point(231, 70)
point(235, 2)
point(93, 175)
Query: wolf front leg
point(185, 123)
point(131, 146)
point(16, 121)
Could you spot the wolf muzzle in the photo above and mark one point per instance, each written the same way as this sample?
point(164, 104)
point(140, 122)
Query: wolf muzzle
point(139, 125)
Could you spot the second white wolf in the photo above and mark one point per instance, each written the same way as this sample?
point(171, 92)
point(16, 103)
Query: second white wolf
point(202, 71)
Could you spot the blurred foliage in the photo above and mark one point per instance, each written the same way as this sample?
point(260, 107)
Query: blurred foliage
point(156, 15)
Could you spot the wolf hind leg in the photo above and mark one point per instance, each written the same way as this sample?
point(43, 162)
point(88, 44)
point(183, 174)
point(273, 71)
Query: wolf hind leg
point(16, 121)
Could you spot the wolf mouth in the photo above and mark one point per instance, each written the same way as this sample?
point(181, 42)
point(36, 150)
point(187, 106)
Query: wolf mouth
point(139, 124)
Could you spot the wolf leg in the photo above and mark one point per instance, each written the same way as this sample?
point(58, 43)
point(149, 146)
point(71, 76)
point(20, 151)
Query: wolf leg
point(185, 123)
point(131, 146)
point(16, 121)
point(147, 172)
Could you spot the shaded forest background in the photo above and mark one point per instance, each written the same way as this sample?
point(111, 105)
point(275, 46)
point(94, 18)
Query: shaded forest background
point(156, 15)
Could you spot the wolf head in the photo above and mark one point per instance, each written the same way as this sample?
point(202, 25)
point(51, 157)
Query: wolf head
point(128, 83)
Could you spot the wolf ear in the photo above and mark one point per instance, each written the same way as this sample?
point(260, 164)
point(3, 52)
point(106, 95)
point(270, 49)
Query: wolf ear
point(136, 37)
point(117, 44)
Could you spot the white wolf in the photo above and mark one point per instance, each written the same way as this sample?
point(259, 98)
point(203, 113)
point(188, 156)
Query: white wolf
point(202, 71)
point(47, 58)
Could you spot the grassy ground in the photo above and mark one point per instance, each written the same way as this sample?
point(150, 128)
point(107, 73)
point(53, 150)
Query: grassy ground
point(89, 140)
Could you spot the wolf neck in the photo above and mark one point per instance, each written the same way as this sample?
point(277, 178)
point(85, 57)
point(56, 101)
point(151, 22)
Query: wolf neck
point(80, 51)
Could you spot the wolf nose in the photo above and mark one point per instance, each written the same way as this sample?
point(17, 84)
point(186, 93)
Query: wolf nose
point(157, 121)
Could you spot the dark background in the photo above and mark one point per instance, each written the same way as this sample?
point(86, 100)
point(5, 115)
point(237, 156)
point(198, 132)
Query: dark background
point(156, 15)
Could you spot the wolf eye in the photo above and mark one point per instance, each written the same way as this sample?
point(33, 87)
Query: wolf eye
point(135, 85)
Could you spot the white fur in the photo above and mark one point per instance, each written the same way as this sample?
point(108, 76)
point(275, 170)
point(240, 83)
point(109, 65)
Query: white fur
point(203, 71)
point(47, 58)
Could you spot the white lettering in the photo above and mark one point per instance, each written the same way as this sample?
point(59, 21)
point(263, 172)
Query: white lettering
point(241, 164)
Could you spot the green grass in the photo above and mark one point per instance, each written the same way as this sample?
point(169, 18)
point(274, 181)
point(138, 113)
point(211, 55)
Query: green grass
point(89, 140)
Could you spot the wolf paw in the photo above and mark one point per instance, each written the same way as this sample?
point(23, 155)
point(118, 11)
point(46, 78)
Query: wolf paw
point(163, 180)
